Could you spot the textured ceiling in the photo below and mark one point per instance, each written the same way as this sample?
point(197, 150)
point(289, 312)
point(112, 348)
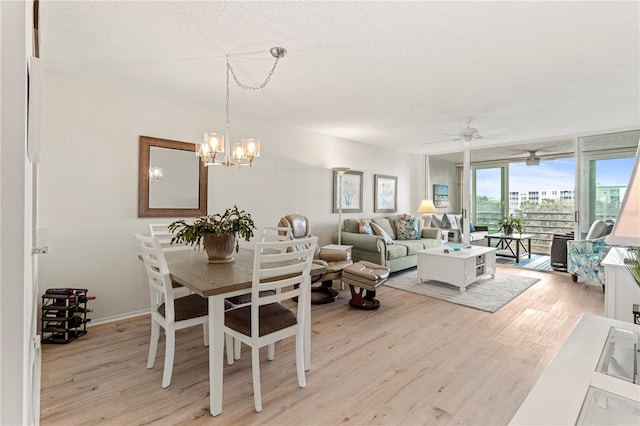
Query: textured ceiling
point(396, 74)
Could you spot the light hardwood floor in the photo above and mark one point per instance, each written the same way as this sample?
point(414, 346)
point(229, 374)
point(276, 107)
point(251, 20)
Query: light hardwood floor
point(416, 360)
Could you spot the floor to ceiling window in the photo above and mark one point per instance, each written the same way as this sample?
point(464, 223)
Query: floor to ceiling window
point(606, 165)
point(488, 185)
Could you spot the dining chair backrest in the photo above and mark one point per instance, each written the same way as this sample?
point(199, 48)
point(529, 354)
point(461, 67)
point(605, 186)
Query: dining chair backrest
point(284, 271)
point(158, 276)
point(276, 233)
point(164, 236)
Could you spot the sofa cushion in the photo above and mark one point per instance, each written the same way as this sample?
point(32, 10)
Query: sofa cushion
point(396, 251)
point(412, 246)
point(407, 229)
point(384, 223)
point(381, 232)
point(365, 227)
point(351, 225)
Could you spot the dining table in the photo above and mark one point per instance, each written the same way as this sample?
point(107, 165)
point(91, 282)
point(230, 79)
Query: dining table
point(216, 282)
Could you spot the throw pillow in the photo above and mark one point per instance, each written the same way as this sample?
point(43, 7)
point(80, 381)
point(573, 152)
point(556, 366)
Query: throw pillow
point(435, 222)
point(380, 232)
point(365, 227)
point(446, 223)
point(407, 229)
point(386, 225)
point(472, 228)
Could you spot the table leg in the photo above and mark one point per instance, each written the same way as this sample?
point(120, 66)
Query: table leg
point(216, 353)
point(529, 248)
point(517, 251)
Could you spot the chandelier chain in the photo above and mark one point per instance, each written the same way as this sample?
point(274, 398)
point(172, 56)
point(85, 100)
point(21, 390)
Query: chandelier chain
point(244, 86)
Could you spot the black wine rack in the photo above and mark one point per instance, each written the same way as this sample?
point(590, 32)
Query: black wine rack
point(64, 314)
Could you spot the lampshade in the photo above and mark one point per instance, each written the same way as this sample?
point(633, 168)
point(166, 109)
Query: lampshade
point(426, 206)
point(626, 231)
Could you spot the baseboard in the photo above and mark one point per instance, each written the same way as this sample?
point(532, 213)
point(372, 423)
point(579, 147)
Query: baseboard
point(118, 317)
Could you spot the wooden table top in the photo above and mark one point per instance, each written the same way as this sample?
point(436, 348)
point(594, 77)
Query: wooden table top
point(192, 269)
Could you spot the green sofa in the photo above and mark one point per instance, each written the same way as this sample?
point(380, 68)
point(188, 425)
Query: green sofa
point(397, 256)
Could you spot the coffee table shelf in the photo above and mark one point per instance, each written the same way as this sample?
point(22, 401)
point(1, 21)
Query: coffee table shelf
point(458, 268)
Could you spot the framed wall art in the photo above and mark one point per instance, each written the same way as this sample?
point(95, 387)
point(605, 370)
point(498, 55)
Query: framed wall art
point(441, 196)
point(385, 194)
point(351, 194)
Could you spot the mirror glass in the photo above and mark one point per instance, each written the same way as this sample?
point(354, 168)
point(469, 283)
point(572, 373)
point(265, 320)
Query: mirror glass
point(176, 184)
point(172, 180)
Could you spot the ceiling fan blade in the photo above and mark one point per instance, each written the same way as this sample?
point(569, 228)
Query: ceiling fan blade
point(443, 140)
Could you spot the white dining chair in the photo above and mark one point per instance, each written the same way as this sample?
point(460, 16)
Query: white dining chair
point(269, 233)
point(168, 311)
point(161, 232)
point(280, 273)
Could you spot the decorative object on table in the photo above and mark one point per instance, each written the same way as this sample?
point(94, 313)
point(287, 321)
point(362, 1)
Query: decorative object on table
point(385, 194)
point(340, 171)
point(218, 233)
point(243, 153)
point(441, 196)
point(510, 223)
point(349, 198)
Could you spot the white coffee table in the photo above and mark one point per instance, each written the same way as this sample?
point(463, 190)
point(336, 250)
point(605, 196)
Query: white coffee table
point(458, 268)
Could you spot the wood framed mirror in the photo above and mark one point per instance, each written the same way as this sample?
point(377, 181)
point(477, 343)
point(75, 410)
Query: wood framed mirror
point(180, 187)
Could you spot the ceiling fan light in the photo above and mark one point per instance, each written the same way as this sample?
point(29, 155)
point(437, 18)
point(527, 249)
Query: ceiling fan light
point(532, 161)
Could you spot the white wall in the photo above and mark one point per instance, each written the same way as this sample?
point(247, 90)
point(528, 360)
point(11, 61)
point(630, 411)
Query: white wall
point(89, 181)
point(443, 172)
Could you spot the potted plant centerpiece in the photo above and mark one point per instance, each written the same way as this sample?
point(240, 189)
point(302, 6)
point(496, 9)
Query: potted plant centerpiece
point(216, 232)
point(510, 223)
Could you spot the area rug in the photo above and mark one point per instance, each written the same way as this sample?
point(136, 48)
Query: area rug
point(486, 295)
point(538, 262)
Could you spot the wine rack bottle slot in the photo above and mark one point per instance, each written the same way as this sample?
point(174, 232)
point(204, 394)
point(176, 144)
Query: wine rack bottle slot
point(64, 314)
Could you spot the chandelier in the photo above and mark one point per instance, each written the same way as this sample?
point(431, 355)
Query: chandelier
point(215, 149)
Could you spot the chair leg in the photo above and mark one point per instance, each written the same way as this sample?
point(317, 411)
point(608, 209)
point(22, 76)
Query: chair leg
point(205, 331)
point(169, 352)
point(237, 348)
point(229, 347)
point(574, 278)
point(271, 351)
point(255, 368)
point(153, 343)
point(302, 379)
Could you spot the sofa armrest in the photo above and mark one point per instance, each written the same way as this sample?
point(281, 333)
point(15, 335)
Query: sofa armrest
point(432, 233)
point(363, 242)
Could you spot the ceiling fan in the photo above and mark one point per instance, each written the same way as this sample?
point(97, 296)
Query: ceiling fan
point(467, 133)
point(532, 159)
